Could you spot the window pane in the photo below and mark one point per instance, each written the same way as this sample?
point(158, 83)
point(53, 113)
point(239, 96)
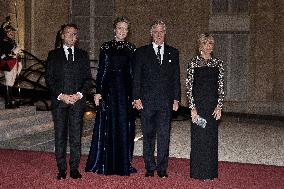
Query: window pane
point(221, 46)
point(239, 66)
point(233, 49)
point(240, 6)
point(222, 51)
point(219, 6)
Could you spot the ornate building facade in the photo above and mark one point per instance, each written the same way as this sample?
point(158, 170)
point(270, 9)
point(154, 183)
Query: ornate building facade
point(248, 35)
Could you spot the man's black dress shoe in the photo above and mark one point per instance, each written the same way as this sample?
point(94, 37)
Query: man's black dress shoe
point(149, 173)
point(75, 174)
point(61, 175)
point(132, 169)
point(162, 174)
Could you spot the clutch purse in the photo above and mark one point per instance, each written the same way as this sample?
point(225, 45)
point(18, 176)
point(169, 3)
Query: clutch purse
point(7, 64)
point(200, 121)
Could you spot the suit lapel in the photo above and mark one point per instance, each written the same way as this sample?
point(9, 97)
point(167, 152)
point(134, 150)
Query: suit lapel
point(76, 54)
point(62, 55)
point(167, 56)
point(152, 52)
point(152, 55)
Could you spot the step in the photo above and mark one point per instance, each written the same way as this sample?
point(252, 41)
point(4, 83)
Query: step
point(2, 104)
point(23, 111)
point(18, 127)
point(27, 131)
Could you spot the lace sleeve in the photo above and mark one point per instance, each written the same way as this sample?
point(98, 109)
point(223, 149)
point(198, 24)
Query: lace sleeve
point(102, 68)
point(221, 92)
point(189, 83)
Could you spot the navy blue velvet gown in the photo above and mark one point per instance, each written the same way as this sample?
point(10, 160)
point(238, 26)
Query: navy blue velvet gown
point(114, 130)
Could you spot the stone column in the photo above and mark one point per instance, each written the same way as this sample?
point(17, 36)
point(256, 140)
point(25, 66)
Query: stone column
point(267, 76)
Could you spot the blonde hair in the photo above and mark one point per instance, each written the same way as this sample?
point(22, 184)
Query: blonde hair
point(204, 38)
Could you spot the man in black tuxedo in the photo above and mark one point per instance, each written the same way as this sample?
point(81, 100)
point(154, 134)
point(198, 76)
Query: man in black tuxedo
point(156, 92)
point(68, 76)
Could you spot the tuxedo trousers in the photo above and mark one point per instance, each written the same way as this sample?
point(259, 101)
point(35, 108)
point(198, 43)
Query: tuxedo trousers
point(156, 125)
point(68, 121)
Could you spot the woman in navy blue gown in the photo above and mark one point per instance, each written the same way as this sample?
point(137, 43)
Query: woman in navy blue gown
point(114, 131)
point(205, 90)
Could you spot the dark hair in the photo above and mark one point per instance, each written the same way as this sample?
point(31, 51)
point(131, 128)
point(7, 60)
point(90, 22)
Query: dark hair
point(121, 19)
point(70, 25)
point(58, 39)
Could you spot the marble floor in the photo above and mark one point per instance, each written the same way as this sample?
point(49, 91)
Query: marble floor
point(244, 139)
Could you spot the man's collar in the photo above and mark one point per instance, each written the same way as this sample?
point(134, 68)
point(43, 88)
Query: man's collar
point(156, 46)
point(65, 48)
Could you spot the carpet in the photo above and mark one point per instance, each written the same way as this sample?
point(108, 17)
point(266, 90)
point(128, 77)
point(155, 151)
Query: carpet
point(37, 170)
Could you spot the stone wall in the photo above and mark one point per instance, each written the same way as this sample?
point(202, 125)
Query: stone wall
point(94, 18)
point(184, 19)
point(43, 20)
point(16, 11)
point(266, 94)
point(264, 91)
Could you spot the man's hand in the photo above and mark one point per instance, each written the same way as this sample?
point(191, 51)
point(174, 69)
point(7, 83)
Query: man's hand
point(64, 98)
point(74, 98)
point(16, 50)
point(175, 105)
point(137, 104)
point(69, 99)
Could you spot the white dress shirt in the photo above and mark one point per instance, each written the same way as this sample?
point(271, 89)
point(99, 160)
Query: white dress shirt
point(162, 50)
point(67, 52)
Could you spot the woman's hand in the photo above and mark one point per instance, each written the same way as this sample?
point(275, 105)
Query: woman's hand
point(137, 104)
point(175, 105)
point(193, 114)
point(97, 99)
point(217, 113)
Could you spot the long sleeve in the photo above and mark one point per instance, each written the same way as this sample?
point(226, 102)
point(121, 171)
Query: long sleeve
point(189, 83)
point(131, 61)
point(50, 73)
point(221, 92)
point(137, 72)
point(102, 70)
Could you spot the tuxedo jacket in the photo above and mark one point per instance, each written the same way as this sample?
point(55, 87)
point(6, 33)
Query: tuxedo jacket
point(157, 85)
point(56, 74)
